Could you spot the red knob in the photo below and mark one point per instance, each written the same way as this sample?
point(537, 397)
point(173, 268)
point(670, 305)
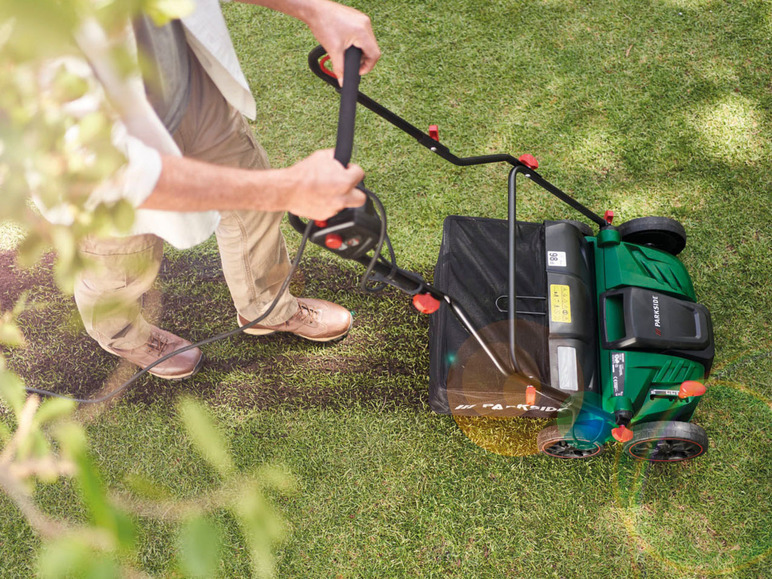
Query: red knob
point(426, 303)
point(622, 434)
point(320, 224)
point(529, 161)
point(333, 241)
point(691, 388)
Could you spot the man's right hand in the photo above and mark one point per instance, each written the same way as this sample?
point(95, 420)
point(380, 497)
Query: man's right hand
point(323, 187)
point(317, 187)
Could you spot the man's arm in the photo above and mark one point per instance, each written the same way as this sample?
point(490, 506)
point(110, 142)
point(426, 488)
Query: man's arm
point(335, 26)
point(317, 187)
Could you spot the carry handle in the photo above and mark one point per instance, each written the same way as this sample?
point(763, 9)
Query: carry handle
point(344, 143)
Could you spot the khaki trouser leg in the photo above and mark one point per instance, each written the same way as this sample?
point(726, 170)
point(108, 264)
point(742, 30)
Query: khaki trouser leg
point(109, 295)
point(254, 256)
point(252, 249)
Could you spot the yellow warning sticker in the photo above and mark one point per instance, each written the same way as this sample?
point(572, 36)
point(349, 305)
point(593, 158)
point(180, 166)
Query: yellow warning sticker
point(560, 303)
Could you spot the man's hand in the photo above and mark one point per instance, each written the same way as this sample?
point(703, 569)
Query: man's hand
point(323, 187)
point(335, 26)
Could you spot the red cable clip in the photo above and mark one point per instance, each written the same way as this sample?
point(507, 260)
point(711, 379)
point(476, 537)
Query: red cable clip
point(426, 303)
point(333, 241)
point(434, 132)
point(608, 216)
point(622, 434)
point(691, 388)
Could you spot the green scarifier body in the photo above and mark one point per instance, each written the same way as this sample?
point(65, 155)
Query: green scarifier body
point(619, 265)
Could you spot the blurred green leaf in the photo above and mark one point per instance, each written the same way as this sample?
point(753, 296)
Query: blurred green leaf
point(123, 216)
point(63, 558)
point(199, 548)
point(68, 86)
point(103, 514)
point(71, 438)
point(277, 478)
point(5, 433)
point(10, 334)
point(206, 438)
point(54, 408)
point(261, 526)
point(40, 28)
point(69, 557)
point(20, 304)
point(124, 529)
point(93, 126)
point(31, 249)
point(162, 11)
point(12, 390)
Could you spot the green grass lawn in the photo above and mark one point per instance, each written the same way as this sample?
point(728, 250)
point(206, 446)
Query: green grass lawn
point(659, 107)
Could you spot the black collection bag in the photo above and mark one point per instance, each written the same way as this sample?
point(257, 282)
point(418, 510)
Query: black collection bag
point(473, 268)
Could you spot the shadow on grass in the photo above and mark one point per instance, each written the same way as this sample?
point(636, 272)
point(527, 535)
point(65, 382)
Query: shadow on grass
point(376, 365)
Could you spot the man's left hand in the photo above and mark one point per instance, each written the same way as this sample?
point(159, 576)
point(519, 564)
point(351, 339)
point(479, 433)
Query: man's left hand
point(338, 27)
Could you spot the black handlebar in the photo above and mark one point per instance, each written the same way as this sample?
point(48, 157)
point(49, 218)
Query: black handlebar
point(344, 142)
point(434, 145)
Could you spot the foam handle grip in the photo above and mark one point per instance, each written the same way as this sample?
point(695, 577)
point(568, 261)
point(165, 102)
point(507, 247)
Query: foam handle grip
point(344, 143)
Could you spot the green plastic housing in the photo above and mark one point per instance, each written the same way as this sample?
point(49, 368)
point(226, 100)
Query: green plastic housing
point(650, 379)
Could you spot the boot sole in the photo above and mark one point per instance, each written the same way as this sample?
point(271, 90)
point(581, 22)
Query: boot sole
point(261, 332)
point(174, 378)
point(190, 374)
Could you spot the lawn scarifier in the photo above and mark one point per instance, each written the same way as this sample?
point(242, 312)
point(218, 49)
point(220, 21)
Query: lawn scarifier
point(543, 320)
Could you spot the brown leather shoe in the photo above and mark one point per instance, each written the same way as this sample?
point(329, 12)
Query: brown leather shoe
point(159, 344)
point(315, 320)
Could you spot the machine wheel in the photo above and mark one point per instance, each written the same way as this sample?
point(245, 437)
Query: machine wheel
point(551, 442)
point(657, 232)
point(583, 228)
point(667, 441)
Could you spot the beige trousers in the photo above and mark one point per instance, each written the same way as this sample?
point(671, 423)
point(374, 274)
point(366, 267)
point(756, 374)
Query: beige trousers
point(254, 257)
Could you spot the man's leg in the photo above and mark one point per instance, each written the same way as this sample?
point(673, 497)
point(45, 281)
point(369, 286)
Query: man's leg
point(252, 248)
point(109, 298)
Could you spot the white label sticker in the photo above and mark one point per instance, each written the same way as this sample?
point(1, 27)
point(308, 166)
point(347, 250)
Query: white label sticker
point(556, 259)
point(568, 377)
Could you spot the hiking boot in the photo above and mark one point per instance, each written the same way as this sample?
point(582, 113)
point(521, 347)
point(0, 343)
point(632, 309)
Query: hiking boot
point(315, 320)
point(159, 344)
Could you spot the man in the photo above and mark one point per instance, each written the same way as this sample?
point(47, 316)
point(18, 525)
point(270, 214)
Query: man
point(195, 168)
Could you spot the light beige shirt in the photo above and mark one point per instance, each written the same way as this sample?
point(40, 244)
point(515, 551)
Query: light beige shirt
point(142, 136)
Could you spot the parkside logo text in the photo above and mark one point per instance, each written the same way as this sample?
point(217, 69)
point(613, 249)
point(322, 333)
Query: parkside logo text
point(657, 317)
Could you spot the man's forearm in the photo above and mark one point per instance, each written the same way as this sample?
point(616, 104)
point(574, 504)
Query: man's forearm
point(190, 185)
point(316, 187)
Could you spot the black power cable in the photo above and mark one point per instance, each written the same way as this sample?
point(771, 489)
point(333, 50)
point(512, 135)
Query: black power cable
point(216, 338)
point(383, 239)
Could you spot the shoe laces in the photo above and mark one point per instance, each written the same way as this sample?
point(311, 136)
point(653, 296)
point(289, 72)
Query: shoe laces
point(307, 314)
point(158, 343)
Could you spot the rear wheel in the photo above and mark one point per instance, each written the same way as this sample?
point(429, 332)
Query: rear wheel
point(553, 443)
point(667, 442)
point(658, 232)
